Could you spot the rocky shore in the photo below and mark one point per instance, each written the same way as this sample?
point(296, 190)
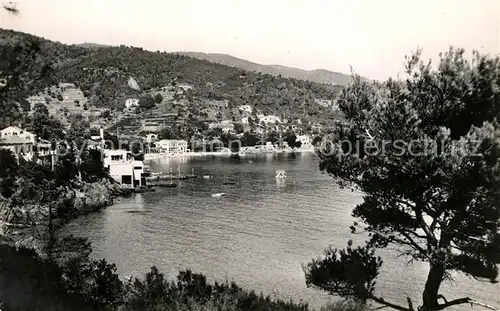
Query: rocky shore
point(29, 224)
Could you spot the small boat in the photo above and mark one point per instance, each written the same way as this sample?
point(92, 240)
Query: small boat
point(169, 185)
point(206, 176)
point(220, 194)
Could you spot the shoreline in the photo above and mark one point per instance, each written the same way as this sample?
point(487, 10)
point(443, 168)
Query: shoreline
point(34, 233)
point(156, 156)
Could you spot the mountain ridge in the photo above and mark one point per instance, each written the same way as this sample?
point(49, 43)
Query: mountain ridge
point(322, 76)
point(319, 75)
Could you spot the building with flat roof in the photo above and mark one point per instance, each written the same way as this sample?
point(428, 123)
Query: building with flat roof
point(123, 168)
point(172, 146)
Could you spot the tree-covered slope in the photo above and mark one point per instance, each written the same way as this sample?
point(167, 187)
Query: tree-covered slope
point(102, 73)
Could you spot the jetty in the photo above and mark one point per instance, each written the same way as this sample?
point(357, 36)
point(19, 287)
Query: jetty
point(158, 178)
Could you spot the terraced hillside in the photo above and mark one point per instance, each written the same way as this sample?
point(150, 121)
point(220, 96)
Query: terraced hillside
point(101, 75)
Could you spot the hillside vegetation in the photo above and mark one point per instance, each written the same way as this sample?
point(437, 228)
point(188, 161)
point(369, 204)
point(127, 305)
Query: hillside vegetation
point(103, 74)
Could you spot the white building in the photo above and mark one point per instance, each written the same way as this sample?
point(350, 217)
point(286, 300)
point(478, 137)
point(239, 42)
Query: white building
point(123, 168)
point(269, 146)
point(184, 87)
point(305, 141)
point(18, 132)
point(172, 146)
point(19, 141)
point(246, 108)
point(324, 102)
point(131, 103)
point(19, 146)
point(269, 119)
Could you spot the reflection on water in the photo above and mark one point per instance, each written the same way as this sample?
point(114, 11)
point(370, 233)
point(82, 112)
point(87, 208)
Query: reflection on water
point(280, 183)
point(259, 234)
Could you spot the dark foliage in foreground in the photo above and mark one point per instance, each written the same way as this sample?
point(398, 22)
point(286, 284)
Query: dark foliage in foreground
point(70, 280)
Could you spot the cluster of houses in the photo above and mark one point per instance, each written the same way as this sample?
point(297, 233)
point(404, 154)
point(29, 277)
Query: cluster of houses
point(25, 144)
point(120, 164)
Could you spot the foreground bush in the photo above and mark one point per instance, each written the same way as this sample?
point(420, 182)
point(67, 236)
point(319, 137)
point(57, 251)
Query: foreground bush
point(192, 292)
point(70, 280)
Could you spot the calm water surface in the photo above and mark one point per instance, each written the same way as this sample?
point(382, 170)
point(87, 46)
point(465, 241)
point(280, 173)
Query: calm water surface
point(258, 235)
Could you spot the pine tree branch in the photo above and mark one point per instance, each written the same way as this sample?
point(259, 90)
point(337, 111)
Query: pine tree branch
point(415, 234)
point(423, 225)
point(463, 301)
point(412, 241)
point(388, 304)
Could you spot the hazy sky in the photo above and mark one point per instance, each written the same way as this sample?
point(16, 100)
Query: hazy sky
point(372, 36)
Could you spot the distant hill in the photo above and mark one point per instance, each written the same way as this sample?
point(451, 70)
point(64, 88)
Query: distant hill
point(318, 75)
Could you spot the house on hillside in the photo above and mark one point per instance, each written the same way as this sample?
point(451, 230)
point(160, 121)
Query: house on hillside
point(225, 125)
point(24, 143)
point(245, 108)
point(19, 146)
point(63, 87)
point(323, 102)
point(184, 87)
point(18, 132)
point(131, 103)
point(269, 119)
point(327, 103)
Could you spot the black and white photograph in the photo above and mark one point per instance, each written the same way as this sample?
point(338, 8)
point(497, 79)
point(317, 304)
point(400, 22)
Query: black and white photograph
point(232, 155)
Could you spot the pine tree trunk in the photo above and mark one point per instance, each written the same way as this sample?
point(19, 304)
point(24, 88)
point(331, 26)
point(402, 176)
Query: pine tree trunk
point(431, 290)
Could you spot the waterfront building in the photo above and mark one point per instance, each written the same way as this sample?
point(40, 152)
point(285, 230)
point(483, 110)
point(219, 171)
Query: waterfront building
point(123, 168)
point(172, 146)
point(269, 146)
point(305, 141)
